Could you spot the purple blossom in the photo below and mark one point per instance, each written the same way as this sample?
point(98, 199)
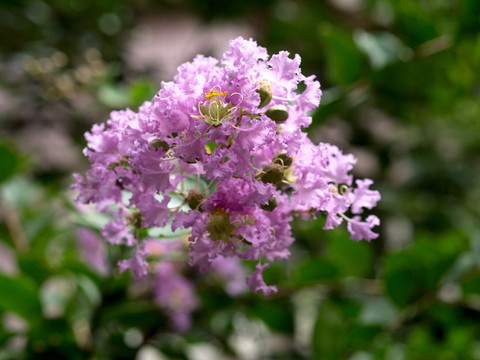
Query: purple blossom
point(175, 294)
point(255, 281)
point(220, 151)
point(137, 262)
point(363, 229)
point(231, 271)
point(93, 249)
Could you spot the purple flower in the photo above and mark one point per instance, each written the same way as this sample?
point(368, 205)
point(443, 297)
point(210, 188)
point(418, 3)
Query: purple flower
point(93, 249)
point(255, 281)
point(363, 229)
point(220, 151)
point(137, 262)
point(175, 294)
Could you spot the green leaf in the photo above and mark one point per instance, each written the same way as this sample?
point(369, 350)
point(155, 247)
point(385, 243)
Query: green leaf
point(330, 333)
point(350, 257)
point(140, 91)
point(113, 96)
point(8, 161)
point(133, 313)
point(19, 295)
point(472, 285)
point(344, 60)
point(314, 270)
point(412, 273)
point(278, 316)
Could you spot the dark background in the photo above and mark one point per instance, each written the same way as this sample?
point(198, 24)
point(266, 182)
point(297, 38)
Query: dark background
point(401, 91)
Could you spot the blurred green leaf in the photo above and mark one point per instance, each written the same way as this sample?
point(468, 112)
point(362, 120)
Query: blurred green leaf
point(19, 295)
point(314, 269)
point(142, 90)
point(415, 272)
point(8, 161)
point(472, 284)
point(344, 60)
point(378, 311)
point(351, 258)
point(113, 96)
point(131, 313)
point(330, 335)
point(278, 316)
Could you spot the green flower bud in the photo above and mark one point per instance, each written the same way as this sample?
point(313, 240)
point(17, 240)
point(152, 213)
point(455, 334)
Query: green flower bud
point(272, 204)
point(282, 159)
point(265, 92)
point(277, 113)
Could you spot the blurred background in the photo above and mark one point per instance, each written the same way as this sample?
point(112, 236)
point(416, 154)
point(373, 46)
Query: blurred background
point(401, 91)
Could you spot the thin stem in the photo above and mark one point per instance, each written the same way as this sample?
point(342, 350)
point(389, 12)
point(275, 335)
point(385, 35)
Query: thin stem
point(208, 187)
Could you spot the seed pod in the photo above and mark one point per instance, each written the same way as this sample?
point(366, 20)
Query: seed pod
point(194, 199)
point(265, 92)
point(272, 204)
point(272, 174)
point(277, 113)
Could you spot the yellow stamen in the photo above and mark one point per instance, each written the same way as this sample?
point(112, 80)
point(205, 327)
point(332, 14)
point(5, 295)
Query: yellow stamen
point(213, 93)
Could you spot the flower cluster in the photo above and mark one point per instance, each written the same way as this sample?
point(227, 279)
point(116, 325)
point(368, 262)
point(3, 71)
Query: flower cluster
point(220, 151)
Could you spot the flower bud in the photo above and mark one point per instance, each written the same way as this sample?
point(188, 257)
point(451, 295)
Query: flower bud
point(272, 204)
point(272, 174)
point(282, 159)
point(194, 199)
point(265, 92)
point(277, 113)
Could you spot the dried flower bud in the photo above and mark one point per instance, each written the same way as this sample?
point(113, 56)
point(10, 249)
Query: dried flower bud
point(277, 113)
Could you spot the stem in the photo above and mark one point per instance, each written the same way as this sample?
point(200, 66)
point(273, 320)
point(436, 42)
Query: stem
point(208, 187)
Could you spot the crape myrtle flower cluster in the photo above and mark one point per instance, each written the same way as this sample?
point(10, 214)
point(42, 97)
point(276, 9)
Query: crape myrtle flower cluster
point(220, 151)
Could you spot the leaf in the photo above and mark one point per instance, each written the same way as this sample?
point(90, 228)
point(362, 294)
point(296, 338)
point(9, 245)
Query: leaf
point(330, 335)
point(19, 295)
point(412, 273)
point(113, 96)
point(314, 270)
point(344, 60)
point(278, 316)
point(350, 257)
point(133, 313)
point(8, 161)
